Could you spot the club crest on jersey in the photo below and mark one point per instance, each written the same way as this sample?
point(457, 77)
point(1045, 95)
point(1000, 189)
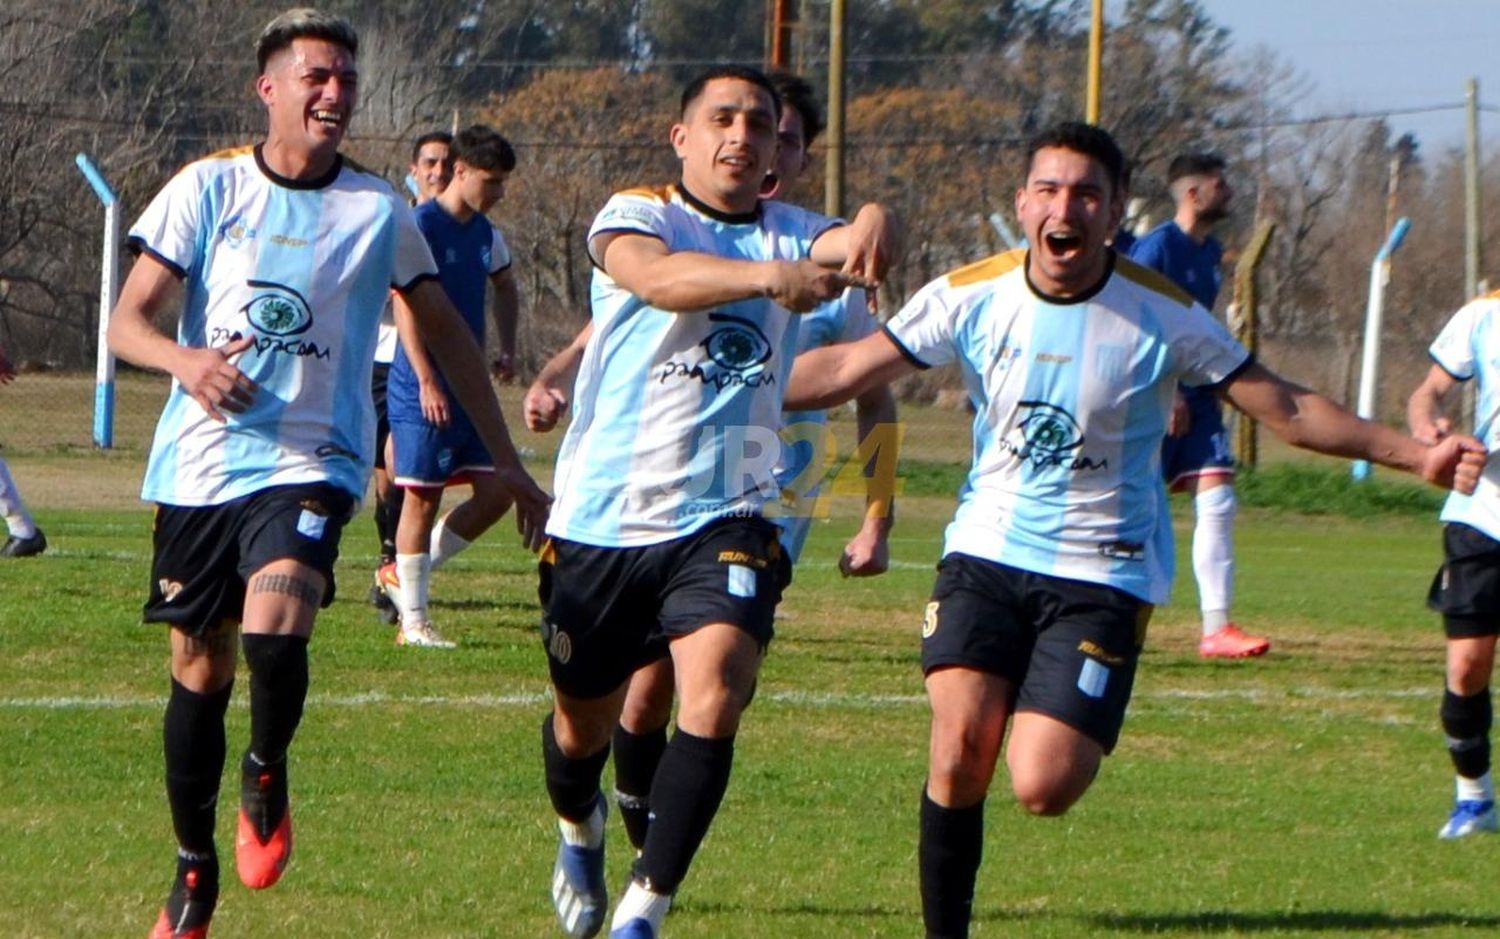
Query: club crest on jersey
point(1047, 436)
point(235, 232)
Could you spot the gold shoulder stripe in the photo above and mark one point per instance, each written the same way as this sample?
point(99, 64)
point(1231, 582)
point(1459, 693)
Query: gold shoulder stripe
point(1492, 295)
point(1151, 280)
point(988, 269)
point(659, 193)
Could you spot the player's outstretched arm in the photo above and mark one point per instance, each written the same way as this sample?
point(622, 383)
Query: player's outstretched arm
point(868, 552)
point(433, 399)
point(207, 375)
point(1308, 420)
point(824, 377)
point(1424, 409)
point(869, 246)
point(448, 339)
point(547, 398)
point(690, 281)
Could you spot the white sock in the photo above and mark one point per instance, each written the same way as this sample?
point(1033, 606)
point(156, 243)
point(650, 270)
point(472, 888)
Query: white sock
point(445, 543)
point(415, 571)
point(640, 903)
point(17, 519)
point(1213, 554)
point(588, 833)
point(1476, 790)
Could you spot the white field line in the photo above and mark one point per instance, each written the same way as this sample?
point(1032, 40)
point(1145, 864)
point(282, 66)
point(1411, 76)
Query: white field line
point(829, 700)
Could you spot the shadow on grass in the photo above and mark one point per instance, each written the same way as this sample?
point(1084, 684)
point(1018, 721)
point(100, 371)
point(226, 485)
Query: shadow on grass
point(1305, 920)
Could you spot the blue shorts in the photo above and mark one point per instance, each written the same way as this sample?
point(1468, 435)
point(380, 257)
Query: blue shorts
point(428, 455)
point(1204, 449)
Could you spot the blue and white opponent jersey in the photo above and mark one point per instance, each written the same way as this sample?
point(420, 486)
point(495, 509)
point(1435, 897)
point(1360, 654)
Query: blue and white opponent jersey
point(303, 267)
point(676, 414)
point(1072, 399)
point(846, 319)
point(1469, 347)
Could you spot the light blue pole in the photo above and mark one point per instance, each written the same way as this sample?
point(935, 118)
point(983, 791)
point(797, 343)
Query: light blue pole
point(1380, 276)
point(109, 283)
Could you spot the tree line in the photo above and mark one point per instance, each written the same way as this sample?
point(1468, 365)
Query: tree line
point(942, 96)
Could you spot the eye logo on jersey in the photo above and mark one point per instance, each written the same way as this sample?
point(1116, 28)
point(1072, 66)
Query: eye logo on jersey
point(737, 347)
point(1047, 436)
point(277, 310)
point(275, 314)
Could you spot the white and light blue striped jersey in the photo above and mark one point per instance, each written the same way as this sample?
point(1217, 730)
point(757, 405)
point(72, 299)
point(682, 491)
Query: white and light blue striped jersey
point(676, 414)
point(1469, 347)
point(304, 268)
point(846, 319)
point(1071, 399)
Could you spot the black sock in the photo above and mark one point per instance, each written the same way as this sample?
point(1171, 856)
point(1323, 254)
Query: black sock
point(387, 520)
point(278, 689)
point(573, 785)
point(689, 785)
point(948, 855)
point(636, 758)
point(1466, 721)
point(193, 743)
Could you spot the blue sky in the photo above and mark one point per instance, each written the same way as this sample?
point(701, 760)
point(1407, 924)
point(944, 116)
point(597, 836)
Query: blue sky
point(1369, 55)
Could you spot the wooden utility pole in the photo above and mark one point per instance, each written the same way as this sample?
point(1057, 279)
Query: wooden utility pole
point(833, 187)
point(1096, 63)
point(782, 27)
point(1243, 322)
point(1472, 235)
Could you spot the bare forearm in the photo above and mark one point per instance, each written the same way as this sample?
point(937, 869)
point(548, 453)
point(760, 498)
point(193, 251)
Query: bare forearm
point(507, 311)
point(1313, 422)
point(462, 363)
point(688, 282)
point(876, 417)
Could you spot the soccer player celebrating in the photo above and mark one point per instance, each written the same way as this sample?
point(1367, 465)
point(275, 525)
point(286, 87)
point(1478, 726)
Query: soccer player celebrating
point(1062, 540)
point(1195, 454)
point(657, 542)
point(641, 738)
point(431, 168)
point(433, 441)
point(1467, 587)
point(285, 252)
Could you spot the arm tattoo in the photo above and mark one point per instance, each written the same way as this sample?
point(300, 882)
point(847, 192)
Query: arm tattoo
point(294, 587)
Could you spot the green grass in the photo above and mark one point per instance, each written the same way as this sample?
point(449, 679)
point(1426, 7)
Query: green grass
point(1294, 796)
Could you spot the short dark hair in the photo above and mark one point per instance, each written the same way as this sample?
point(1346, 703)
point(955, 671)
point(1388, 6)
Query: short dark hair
point(797, 93)
point(303, 23)
point(742, 73)
point(1194, 164)
point(483, 148)
point(1088, 139)
point(432, 136)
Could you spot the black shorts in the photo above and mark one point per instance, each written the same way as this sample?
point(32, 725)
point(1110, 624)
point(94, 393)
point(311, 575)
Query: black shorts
point(378, 378)
point(203, 555)
point(1466, 589)
point(1069, 647)
point(608, 611)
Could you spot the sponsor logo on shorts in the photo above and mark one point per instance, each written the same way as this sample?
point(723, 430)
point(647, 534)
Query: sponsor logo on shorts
point(169, 589)
point(1093, 679)
point(741, 557)
point(741, 581)
point(930, 620)
point(312, 523)
point(560, 646)
point(1093, 651)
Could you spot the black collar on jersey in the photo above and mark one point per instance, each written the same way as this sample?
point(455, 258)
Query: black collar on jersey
point(728, 218)
point(1086, 296)
point(321, 182)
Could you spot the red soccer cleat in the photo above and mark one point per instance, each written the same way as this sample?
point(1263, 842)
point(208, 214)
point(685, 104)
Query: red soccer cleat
point(260, 856)
point(190, 905)
point(1231, 643)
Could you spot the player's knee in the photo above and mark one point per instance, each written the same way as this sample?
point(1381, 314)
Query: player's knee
point(961, 767)
point(648, 706)
point(1216, 503)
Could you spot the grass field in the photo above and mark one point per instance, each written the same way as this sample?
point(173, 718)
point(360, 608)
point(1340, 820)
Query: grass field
point(1298, 795)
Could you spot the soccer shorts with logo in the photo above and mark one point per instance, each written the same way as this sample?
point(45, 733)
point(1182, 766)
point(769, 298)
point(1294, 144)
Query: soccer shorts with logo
point(1466, 589)
point(203, 555)
point(429, 455)
point(1069, 647)
point(1204, 449)
point(608, 611)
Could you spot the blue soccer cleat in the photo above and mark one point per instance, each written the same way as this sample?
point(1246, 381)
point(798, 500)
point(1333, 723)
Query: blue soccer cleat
point(637, 928)
point(578, 892)
point(1471, 817)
